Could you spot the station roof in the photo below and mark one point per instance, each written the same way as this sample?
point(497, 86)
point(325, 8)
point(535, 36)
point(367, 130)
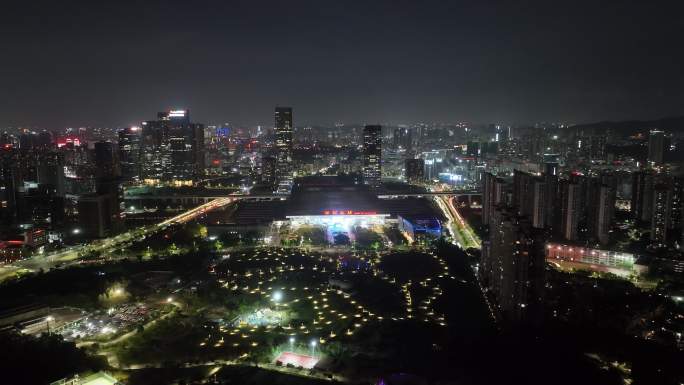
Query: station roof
point(321, 201)
point(325, 196)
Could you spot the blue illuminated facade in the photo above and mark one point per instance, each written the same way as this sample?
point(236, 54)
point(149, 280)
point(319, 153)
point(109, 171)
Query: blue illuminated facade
point(417, 227)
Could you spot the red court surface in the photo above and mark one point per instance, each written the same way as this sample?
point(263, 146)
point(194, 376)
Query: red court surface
point(295, 359)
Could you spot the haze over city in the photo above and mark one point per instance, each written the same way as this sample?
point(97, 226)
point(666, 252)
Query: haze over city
point(341, 192)
point(105, 65)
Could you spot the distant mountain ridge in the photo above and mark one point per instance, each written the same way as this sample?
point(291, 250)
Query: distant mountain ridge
point(628, 127)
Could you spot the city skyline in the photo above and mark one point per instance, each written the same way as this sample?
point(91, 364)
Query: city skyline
point(630, 125)
point(352, 192)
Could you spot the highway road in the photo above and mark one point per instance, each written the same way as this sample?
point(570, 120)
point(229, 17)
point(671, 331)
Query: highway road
point(463, 233)
point(107, 245)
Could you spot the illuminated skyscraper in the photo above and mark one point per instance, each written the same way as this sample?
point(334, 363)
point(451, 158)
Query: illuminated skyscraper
point(372, 155)
point(268, 170)
point(172, 148)
point(283, 134)
point(129, 152)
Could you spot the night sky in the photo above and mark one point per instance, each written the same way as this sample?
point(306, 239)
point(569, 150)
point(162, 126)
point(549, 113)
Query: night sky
point(115, 63)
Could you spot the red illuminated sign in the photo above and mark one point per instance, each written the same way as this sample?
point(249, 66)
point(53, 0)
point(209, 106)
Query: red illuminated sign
point(348, 212)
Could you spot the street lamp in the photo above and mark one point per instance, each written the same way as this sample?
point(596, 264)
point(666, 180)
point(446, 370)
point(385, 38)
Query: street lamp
point(313, 347)
point(47, 321)
point(169, 300)
point(292, 340)
point(277, 297)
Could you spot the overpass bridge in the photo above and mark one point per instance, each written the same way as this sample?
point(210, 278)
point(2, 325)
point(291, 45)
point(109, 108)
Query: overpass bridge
point(202, 198)
point(199, 199)
point(430, 194)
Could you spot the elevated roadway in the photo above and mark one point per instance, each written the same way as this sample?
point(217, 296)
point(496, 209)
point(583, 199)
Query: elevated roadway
point(108, 245)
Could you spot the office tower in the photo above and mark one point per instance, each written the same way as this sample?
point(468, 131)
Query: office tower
point(108, 184)
point(661, 214)
point(601, 210)
point(268, 170)
point(106, 160)
point(372, 155)
point(41, 206)
point(32, 187)
point(50, 172)
point(415, 170)
point(656, 146)
point(283, 136)
point(21, 170)
point(493, 195)
point(172, 149)
point(151, 163)
point(111, 190)
point(129, 152)
point(512, 266)
point(10, 180)
point(94, 215)
point(185, 146)
point(571, 208)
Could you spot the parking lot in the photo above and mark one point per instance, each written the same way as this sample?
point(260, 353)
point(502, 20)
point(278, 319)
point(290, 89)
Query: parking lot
point(104, 322)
